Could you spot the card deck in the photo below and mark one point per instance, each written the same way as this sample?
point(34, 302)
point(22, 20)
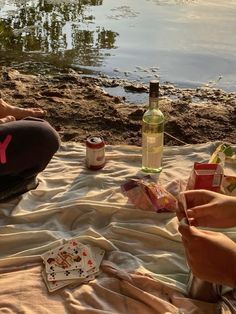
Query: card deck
point(55, 285)
point(71, 263)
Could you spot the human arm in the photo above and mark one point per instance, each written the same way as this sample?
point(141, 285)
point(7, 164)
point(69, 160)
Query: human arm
point(210, 255)
point(210, 209)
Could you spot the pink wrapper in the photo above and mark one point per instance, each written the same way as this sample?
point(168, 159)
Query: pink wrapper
point(149, 196)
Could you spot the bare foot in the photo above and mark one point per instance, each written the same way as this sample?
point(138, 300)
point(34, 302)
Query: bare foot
point(18, 113)
point(7, 119)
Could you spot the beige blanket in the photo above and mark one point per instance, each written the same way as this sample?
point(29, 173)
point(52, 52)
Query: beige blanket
point(144, 268)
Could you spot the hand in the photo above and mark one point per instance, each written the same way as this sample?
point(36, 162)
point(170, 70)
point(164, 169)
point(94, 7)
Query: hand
point(210, 209)
point(210, 255)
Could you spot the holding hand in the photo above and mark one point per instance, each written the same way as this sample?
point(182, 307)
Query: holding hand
point(210, 255)
point(210, 209)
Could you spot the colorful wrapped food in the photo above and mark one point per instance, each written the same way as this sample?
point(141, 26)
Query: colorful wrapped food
point(149, 196)
point(229, 185)
point(221, 153)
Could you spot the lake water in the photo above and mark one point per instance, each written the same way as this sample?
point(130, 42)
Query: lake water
point(187, 43)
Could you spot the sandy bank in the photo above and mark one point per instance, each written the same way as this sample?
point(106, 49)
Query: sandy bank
point(78, 106)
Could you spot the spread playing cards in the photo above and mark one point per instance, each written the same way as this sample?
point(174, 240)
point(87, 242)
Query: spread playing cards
point(72, 262)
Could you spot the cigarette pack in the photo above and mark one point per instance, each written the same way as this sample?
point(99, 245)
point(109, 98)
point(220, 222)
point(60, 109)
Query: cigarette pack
point(205, 176)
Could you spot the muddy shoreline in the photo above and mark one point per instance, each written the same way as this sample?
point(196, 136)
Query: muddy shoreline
point(78, 106)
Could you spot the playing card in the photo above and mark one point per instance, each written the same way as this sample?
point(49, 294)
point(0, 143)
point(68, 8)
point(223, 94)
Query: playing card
point(91, 255)
point(98, 255)
point(64, 257)
point(183, 207)
point(89, 278)
point(88, 259)
point(71, 263)
point(55, 285)
point(67, 275)
point(78, 282)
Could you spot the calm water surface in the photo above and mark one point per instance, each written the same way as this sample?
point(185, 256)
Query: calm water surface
point(188, 43)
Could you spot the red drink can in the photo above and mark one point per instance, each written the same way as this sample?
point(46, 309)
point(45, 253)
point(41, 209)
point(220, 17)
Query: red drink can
point(95, 152)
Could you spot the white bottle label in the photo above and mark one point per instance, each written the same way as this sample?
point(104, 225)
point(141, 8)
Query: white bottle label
point(95, 157)
point(152, 150)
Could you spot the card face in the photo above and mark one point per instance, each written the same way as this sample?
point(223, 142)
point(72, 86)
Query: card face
point(54, 285)
point(183, 207)
point(98, 255)
point(65, 257)
point(88, 259)
point(67, 275)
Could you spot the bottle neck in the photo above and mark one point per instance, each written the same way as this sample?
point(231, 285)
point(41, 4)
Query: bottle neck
point(153, 103)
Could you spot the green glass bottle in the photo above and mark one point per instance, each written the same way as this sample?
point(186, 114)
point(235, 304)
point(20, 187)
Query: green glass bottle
point(152, 132)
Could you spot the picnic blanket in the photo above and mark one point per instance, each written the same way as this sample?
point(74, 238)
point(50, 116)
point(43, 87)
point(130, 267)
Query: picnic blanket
point(144, 268)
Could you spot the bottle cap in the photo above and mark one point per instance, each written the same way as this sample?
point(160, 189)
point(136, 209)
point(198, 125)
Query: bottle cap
point(154, 89)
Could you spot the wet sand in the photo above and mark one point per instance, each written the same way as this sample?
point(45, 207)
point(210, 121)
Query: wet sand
point(78, 106)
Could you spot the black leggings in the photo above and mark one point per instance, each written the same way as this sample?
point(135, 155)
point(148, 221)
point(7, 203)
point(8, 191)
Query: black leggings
point(26, 147)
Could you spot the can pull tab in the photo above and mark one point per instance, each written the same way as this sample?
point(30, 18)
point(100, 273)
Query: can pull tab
point(95, 140)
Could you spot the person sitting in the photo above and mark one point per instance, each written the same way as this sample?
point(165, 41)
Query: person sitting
point(27, 144)
point(211, 255)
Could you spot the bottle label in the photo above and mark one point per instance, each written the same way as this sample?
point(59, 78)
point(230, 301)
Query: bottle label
point(152, 150)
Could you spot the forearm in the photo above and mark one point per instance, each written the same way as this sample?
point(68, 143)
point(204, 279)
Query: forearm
point(230, 269)
point(230, 206)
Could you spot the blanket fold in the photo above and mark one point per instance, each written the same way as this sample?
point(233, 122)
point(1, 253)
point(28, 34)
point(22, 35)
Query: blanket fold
point(144, 268)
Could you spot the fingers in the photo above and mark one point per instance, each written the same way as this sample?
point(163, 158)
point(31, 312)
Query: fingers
point(182, 207)
point(187, 232)
point(203, 221)
point(190, 234)
point(197, 197)
point(200, 206)
point(199, 211)
point(180, 215)
point(202, 215)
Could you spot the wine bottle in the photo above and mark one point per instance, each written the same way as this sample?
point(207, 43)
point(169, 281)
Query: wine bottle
point(152, 132)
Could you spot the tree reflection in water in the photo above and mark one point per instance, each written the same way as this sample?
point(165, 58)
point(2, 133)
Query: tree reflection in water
point(56, 32)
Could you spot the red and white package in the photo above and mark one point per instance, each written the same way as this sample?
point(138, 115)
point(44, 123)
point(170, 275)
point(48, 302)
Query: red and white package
point(205, 176)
